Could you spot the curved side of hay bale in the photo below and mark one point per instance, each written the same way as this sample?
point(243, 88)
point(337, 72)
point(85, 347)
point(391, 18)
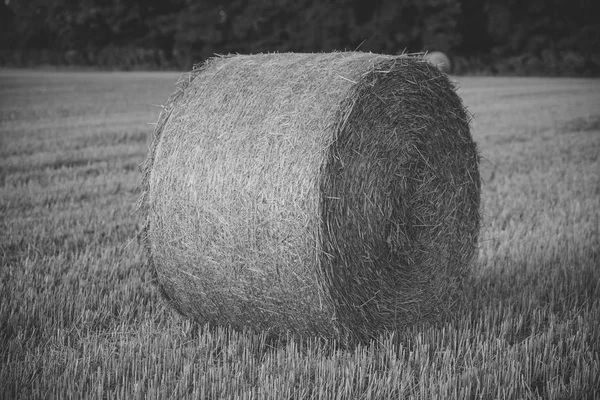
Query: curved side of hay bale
point(440, 60)
point(319, 193)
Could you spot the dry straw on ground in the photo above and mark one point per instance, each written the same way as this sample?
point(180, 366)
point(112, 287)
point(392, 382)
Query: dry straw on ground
point(440, 60)
point(326, 194)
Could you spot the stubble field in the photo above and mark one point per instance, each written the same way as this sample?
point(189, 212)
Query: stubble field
point(80, 318)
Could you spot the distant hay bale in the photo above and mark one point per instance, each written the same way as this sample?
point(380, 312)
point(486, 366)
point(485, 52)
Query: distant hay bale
point(325, 194)
point(440, 60)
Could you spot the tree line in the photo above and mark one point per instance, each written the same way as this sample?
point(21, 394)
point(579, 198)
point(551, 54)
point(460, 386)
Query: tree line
point(541, 37)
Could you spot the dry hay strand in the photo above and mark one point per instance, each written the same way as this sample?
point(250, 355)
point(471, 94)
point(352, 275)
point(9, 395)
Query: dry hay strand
point(440, 60)
point(323, 194)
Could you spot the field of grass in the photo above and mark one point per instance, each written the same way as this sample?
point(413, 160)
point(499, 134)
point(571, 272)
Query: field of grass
point(80, 318)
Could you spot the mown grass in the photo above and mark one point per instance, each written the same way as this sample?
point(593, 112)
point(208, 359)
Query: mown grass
point(79, 317)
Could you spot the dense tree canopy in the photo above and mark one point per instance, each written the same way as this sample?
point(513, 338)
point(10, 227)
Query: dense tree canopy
point(505, 36)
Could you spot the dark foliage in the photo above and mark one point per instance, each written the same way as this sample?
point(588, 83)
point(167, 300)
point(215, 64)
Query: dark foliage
point(543, 37)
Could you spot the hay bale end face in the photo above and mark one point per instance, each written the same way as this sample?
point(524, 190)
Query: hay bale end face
point(440, 60)
point(325, 194)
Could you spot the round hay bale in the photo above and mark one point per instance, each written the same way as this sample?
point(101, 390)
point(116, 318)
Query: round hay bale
point(325, 194)
point(440, 60)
